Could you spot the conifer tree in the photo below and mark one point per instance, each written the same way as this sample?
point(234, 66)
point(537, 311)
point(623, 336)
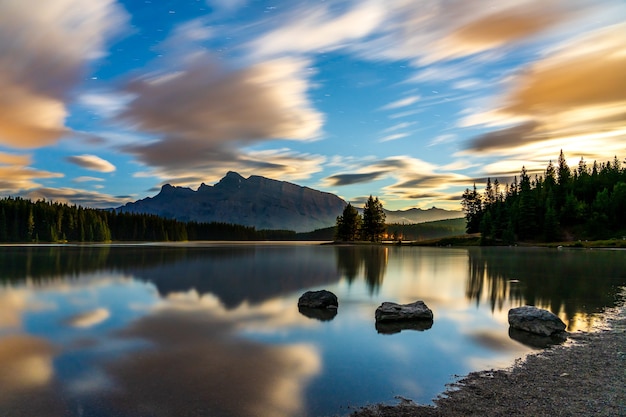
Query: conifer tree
point(348, 224)
point(472, 207)
point(373, 220)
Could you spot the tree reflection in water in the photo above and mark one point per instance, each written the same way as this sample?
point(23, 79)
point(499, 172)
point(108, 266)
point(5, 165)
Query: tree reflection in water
point(370, 259)
point(571, 283)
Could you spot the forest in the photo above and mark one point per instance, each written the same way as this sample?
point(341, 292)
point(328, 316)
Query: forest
point(563, 204)
point(24, 221)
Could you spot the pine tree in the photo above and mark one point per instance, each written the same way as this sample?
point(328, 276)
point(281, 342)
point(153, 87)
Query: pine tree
point(4, 233)
point(563, 174)
point(348, 224)
point(472, 207)
point(373, 220)
point(527, 221)
point(550, 223)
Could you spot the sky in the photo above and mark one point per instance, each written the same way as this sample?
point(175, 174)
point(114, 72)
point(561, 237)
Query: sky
point(412, 101)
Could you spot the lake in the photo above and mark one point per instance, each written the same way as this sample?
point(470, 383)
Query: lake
point(213, 329)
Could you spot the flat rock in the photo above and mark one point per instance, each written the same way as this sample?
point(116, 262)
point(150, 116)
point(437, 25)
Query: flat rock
point(535, 320)
point(318, 299)
point(418, 310)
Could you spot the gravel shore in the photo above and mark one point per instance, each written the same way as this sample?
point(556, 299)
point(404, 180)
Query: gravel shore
point(584, 377)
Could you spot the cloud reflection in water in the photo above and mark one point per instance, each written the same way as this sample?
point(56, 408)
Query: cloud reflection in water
point(195, 367)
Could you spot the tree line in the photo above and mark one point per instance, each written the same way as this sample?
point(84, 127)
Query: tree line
point(351, 226)
point(24, 221)
point(562, 204)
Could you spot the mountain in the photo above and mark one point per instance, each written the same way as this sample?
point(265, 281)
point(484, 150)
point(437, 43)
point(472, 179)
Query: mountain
point(256, 201)
point(263, 203)
point(417, 215)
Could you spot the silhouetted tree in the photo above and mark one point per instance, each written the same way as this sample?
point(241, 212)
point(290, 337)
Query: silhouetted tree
point(472, 205)
point(348, 224)
point(580, 204)
point(373, 220)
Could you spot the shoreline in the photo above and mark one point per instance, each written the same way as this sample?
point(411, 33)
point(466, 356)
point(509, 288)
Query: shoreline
point(585, 376)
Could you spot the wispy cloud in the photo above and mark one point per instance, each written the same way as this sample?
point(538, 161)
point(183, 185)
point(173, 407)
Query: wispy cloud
point(445, 138)
point(17, 175)
point(394, 136)
point(104, 103)
point(411, 179)
point(432, 31)
point(349, 179)
point(319, 28)
point(570, 98)
point(91, 162)
point(404, 102)
point(261, 102)
point(399, 126)
point(78, 196)
point(87, 179)
point(283, 164)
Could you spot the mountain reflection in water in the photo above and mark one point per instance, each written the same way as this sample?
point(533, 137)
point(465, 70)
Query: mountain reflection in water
point(214, 329)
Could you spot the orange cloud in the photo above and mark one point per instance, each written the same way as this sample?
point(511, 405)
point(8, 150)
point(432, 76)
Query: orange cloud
point(438, 30)
point(16, 175)
point(504, 26)
point(587, 72)
point(574, 96)
point(42, 62)
point(26, 362)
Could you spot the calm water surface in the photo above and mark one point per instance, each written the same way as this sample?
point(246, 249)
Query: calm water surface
point(214, 330)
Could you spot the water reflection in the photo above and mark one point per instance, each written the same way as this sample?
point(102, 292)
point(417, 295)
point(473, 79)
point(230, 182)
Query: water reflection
point(194, 368)
point(536, 340)
point(398, 326)
point(567, 282)
point(370, 261)
point(236, 274)
point(321, 314)
point(215, 330)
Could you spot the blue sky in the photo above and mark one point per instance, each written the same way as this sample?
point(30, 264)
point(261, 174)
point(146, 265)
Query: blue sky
point(413, 101)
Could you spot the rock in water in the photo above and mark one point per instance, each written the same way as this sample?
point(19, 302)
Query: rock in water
point(395, 312)
point(318, 299)
point(535, 320)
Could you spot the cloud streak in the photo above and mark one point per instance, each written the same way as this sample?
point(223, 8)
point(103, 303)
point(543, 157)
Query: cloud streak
point(16, 175)
point(42, 62)
point(91, 162)
point(203, 113)
point(411, 178)
point(77, 196)
point(573, 95)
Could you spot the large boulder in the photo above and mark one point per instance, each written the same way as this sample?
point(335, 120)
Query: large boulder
point(388, 311)
point(535, 320)
point(318, 299)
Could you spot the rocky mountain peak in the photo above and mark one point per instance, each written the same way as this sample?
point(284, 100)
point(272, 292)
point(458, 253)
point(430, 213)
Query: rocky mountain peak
point(231, 180)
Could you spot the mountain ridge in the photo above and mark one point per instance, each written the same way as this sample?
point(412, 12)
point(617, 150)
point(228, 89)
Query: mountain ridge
point(263, 203)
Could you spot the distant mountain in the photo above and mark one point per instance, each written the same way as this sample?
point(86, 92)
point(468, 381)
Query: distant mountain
point(263, 203)
point(256, 201)
point(417, 215)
